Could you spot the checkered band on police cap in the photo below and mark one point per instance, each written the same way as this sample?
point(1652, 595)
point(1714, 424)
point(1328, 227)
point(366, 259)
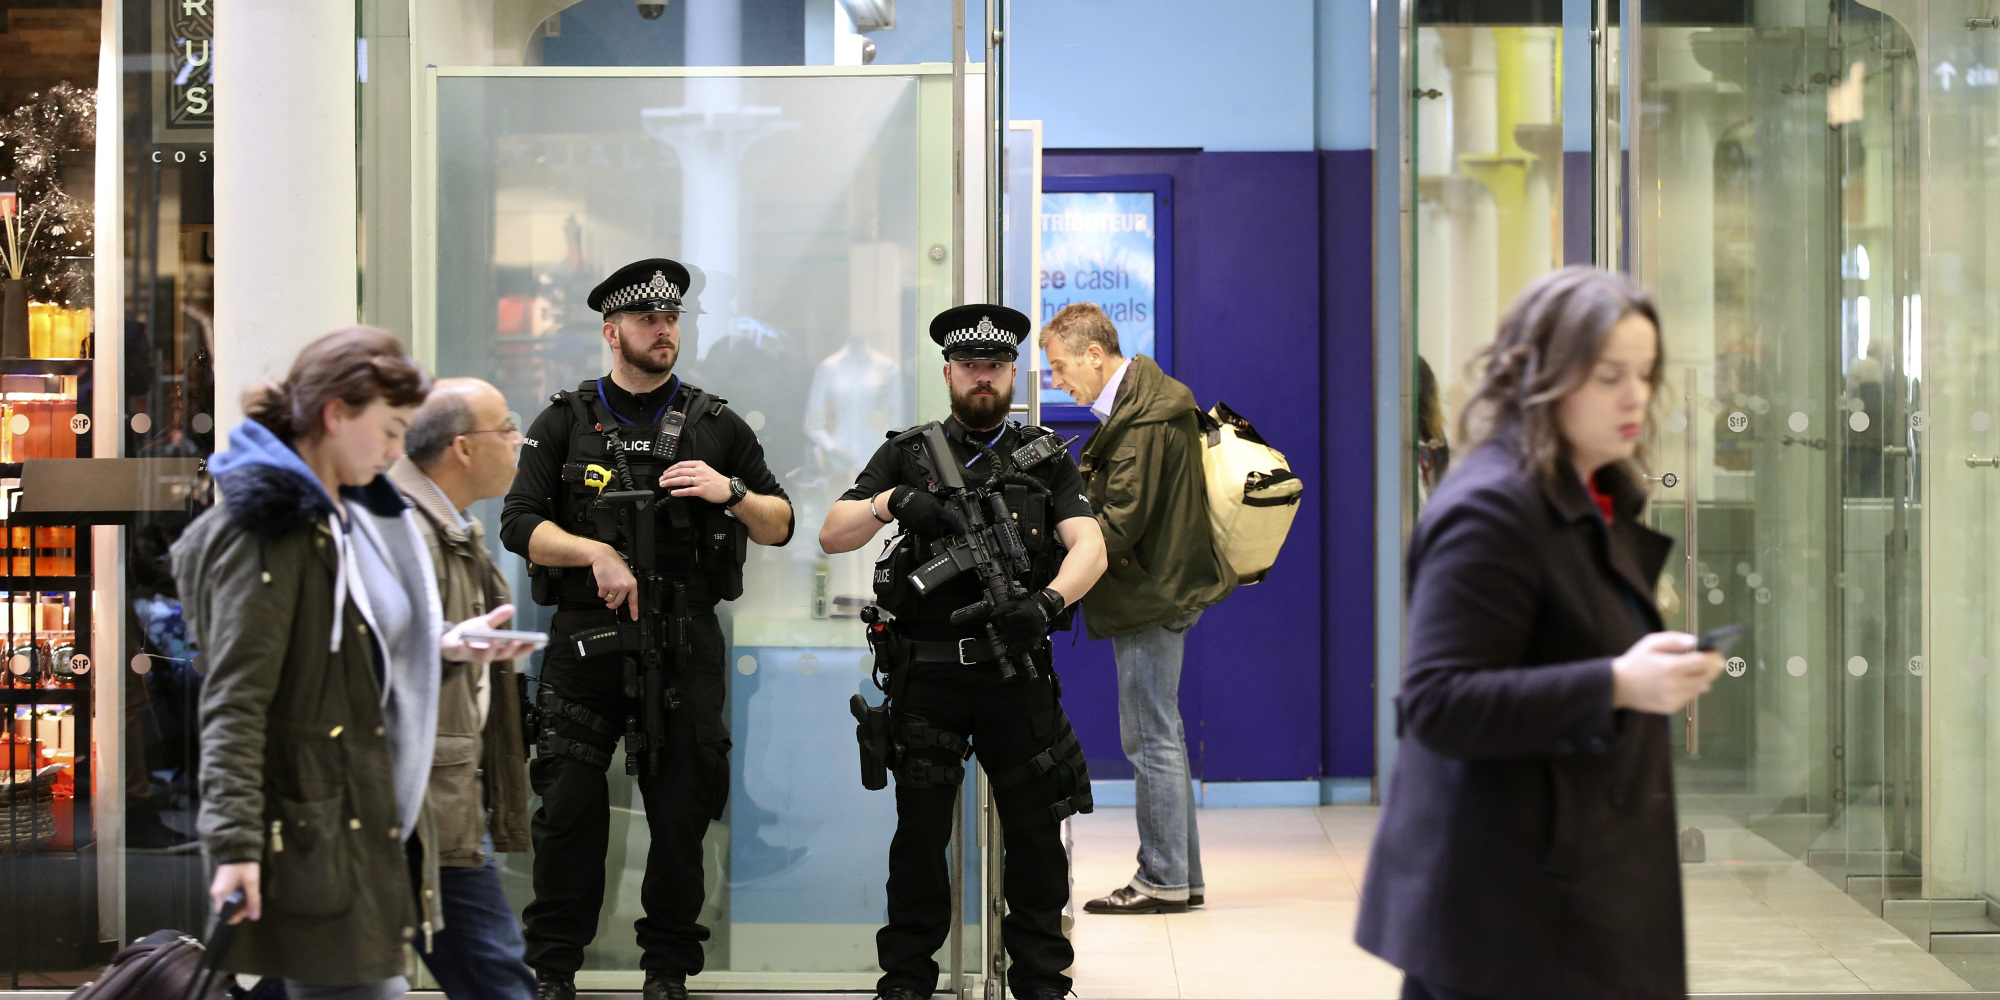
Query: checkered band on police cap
point(980, 330)
point(659, 293)
point(985, 332)
point(652, 285)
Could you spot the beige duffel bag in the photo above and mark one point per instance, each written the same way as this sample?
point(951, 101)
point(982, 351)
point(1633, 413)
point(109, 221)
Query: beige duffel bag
point(1252, 493)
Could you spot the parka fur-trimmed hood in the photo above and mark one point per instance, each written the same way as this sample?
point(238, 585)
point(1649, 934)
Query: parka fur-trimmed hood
point(270, 491)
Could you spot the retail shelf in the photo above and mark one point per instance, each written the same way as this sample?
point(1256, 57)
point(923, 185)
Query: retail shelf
point(23, 584)
point(44, 696)
point(45, 366)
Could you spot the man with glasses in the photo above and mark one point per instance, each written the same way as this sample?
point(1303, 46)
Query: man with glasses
point(460, 449)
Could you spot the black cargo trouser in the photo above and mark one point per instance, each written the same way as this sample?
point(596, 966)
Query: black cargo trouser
point(573, 825)
point(1008, 723)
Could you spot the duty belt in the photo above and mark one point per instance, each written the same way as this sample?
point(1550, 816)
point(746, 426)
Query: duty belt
point(966, 651)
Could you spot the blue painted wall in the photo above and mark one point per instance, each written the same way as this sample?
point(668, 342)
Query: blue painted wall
point(1186, 73)
point(1348, 556)
point(1271, 315)
point(1274, 314)
point(1258, 75)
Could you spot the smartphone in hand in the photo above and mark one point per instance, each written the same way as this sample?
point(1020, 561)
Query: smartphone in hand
point(1721, 639)
point(496, 636)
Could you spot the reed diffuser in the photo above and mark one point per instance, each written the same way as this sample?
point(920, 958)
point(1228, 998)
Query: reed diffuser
point(13, 263)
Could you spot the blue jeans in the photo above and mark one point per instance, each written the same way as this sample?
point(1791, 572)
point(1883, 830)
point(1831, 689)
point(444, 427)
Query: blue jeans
point(479, 953)
point(1155, 741)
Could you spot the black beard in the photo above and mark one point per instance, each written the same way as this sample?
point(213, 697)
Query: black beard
point(980, 412)
point(642, 358)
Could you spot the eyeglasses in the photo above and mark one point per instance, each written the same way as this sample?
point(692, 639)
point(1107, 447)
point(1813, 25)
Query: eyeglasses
point(511, 428)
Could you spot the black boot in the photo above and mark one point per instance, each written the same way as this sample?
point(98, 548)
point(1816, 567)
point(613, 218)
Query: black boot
point(554, 986)
point(666, 986)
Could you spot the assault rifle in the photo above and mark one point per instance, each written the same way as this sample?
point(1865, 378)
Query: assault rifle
point(631, 517)
point(989, 544)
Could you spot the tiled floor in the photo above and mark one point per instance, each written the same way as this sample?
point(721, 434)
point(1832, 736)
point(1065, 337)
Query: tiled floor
point(1283, 885)
point(1759, 921)
point(1282, 890)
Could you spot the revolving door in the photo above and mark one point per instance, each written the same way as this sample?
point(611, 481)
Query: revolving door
point(1807, 190)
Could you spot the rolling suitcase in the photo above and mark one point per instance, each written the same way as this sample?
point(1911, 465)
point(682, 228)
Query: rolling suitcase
point(169, 965)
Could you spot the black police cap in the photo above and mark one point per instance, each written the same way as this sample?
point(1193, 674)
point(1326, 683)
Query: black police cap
point(980, 332)
point(652, 285)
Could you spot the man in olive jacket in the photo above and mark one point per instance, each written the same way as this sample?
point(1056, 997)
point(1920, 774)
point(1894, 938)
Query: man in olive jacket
point(1142, 472)
point(461, 448)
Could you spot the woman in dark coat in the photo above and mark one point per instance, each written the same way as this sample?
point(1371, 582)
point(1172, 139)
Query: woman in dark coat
point(1528, 847)
point(315, 605)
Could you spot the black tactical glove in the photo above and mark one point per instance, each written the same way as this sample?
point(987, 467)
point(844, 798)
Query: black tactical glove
point(1023, 624)
point(922, 513)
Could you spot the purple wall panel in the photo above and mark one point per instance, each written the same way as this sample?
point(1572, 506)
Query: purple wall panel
point(1347, 300)
point(1249, 335)
point(1247, 316)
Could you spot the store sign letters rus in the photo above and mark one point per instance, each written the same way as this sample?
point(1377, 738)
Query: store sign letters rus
point(190, 39)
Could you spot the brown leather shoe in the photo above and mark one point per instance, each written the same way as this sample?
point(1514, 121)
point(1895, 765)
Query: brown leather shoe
point(1130, 900)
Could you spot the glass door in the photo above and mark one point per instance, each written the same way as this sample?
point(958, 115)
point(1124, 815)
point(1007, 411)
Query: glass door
point(813, 205)
point(1776, 213)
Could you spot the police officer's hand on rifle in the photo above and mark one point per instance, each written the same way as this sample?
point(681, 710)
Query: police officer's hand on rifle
point(615, 582)
point(1023, 624)
point(922, 513)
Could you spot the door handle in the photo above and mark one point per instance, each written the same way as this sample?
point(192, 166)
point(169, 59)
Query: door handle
point(1691, 541)
point(1666, 479)
point(1975, 462)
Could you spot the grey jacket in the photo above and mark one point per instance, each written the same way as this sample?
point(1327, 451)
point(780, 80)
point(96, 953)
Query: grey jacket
point(479, 776)
point(297, 754)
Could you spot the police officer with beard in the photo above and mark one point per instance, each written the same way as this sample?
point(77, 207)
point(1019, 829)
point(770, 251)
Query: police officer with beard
point(638, 429)
point(949, 693)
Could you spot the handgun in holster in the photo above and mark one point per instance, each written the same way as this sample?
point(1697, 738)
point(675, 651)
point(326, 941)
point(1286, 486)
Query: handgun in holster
point(873, 735)
point(531, 716)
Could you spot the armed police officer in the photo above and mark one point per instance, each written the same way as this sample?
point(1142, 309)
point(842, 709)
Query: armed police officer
point(995, 542)
point(635, 498)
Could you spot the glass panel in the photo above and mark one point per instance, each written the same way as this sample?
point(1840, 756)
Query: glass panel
point(1775, 216)
point(1957, 49)
point(1490, 211)
point(807, 207)
point(1021, 246)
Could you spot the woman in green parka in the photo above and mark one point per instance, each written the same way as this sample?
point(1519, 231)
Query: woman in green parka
point(311, 596)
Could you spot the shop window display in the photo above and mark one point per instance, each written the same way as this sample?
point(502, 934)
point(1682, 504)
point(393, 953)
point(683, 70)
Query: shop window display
point(99, 683)
point(49, 835)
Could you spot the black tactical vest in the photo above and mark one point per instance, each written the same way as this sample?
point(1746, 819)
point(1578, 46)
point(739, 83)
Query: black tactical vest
point(698, 543)
point(1029, 505)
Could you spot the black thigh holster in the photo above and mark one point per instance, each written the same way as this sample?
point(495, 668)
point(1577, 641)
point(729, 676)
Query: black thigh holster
point(551, 706)
point(1066, 776)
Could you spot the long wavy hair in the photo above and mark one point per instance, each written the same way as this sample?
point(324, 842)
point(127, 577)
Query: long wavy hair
point(1547, 345)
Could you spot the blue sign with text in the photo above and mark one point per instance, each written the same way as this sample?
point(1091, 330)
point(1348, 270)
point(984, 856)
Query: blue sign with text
point(1099, 247)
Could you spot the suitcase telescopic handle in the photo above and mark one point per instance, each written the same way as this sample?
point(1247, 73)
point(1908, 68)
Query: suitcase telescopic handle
point(215, 946)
